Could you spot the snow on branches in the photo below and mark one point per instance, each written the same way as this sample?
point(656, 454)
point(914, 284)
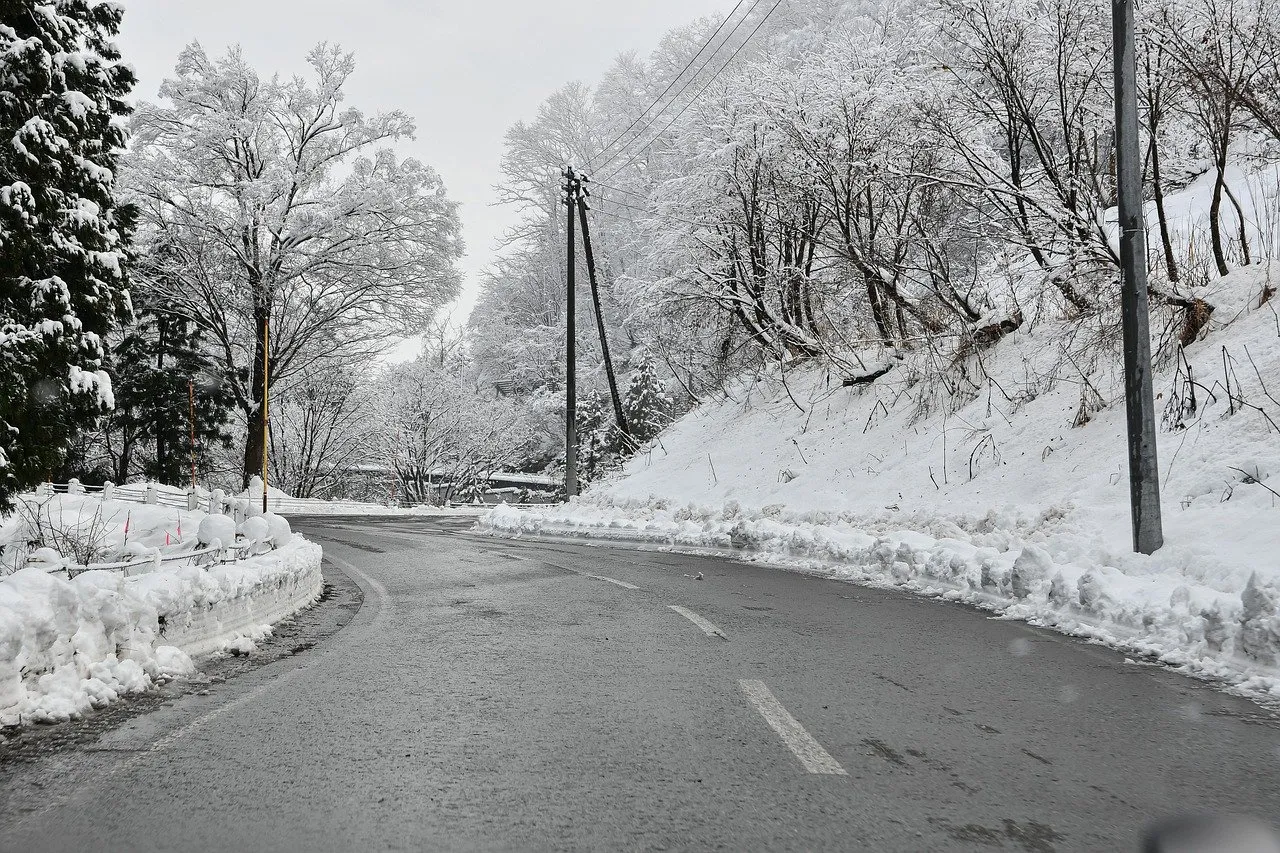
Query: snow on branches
point(62, 283)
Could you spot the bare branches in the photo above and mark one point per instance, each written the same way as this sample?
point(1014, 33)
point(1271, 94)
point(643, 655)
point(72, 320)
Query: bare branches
point(269, 201)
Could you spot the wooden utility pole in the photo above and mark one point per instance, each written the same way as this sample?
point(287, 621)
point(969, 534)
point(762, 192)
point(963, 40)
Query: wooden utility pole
point(595, 300)
point(1144, 477)
point(571, 187)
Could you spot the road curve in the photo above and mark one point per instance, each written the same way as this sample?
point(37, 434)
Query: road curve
point(498, 695)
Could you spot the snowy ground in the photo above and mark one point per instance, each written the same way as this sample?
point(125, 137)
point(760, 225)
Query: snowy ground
point(995, 497)
point(285, 504)
point(67, 645)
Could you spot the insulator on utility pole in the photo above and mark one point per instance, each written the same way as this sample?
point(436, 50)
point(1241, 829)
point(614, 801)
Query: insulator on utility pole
point(1144, 478)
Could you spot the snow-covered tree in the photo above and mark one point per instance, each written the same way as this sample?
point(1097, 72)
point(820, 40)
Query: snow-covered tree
point(440, 435)
point(169, 394)
point(647, 404)
point(599, 445)
point(62, 284)
point(285, 209)
point(322, 425)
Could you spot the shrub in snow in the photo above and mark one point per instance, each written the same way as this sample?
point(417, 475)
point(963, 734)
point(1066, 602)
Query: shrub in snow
point(278, 529)
point(46, 558)
point(135, 549)
point(219, 528)
point(255, 530)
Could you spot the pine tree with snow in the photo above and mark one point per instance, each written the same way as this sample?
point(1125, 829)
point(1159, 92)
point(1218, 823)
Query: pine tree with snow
point(646, 404)
point(161, 375)
point(596, 453)
point(62, 86)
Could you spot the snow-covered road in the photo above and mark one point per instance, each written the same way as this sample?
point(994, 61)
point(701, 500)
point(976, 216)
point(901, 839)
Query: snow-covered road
point(506, 695)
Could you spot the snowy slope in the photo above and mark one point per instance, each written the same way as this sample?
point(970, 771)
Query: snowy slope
point(995, 496)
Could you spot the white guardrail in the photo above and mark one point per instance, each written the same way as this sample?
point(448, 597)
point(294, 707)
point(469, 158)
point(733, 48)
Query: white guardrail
point(192, 500)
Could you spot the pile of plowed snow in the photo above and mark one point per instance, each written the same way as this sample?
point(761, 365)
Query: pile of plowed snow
point(70, 644)
point(1013, 496)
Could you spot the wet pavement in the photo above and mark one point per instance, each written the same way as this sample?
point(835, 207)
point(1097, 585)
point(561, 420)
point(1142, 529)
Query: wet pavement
point(499, 695)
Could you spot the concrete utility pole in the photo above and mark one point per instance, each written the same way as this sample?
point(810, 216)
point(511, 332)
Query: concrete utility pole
point(571, 187)
point(1144, 477)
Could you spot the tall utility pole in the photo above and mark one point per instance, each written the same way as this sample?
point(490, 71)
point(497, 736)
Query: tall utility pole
point(266, 411)
point(1144, 477)
point(571, 186)
point(595, 300)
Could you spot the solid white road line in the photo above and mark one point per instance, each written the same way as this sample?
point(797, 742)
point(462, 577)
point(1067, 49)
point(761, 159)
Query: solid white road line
point(707, 628)
point(810, 753)
point(383, 605)
point(622, 584)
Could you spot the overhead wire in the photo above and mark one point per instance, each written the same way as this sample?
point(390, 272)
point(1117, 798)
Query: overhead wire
point(652, 213)
point(694, 99)
point(672, 84)
point(689, 82)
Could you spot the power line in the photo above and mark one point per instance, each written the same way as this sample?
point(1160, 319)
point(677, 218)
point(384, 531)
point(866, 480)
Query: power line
point(587, 179)
point(689, 82)
point(652, 213)
point(673, 82)
point(694, 99)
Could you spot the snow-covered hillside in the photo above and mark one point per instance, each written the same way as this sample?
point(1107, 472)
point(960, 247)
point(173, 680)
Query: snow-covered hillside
point(1013, 495)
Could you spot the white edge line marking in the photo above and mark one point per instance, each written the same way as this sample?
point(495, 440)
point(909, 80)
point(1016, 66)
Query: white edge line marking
point(802, 744)
point(167, 740)
point(707, 628)
point(615, 581)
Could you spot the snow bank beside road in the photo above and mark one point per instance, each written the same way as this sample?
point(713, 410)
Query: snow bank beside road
point(69, 645)
point(1012, 495)
point(1001, 563)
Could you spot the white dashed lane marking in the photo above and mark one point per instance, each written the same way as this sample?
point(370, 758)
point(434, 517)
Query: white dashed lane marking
point(707, 628)
point(614, 581)
point(802, 744)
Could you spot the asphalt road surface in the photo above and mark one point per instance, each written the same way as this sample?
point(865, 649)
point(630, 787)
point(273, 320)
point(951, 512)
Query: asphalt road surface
point(498, 695)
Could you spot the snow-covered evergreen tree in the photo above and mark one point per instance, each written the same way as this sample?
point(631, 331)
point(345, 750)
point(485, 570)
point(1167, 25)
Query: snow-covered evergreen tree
point(155, 368)
point(597, 440)
point(62, 86)
point(647, 405)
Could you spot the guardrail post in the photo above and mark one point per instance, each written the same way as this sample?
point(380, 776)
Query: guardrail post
point(108, 490)
point(149, 496)
point(74, 487)
point(193, 500)
point(238, 511)
point(44, 490)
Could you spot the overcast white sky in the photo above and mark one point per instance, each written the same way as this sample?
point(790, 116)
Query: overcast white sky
point(464, 69)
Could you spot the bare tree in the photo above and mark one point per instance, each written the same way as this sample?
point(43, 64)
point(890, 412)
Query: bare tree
point(320, 428)
point(283, 210)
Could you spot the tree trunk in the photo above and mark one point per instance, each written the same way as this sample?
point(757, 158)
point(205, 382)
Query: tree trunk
point(126, 455)
point(1215, 211)
point(1170, 262)
point(254, 449)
